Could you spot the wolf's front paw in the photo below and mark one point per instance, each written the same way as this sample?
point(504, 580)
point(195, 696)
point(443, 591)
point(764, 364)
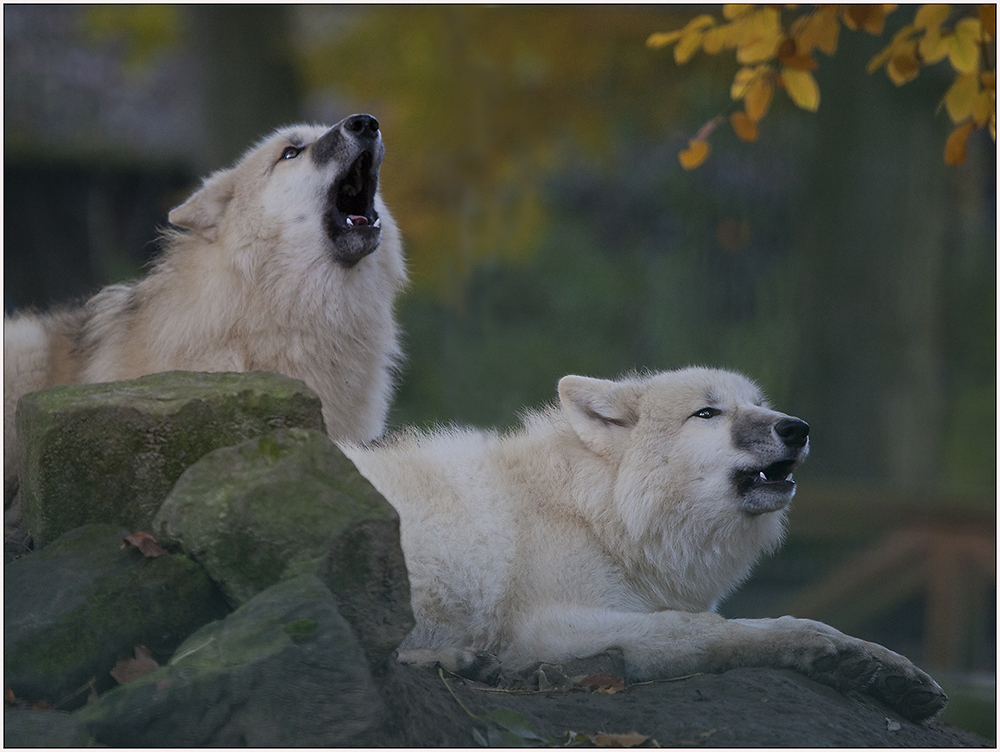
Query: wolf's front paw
point(908, 690)
point(852, 664)
point(481, 667)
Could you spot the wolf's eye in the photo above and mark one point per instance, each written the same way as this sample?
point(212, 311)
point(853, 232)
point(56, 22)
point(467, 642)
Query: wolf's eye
point(707, 412)
point(291, 152)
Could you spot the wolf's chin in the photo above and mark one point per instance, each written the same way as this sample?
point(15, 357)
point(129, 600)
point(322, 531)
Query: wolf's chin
point(354, 244)
point(767, 489)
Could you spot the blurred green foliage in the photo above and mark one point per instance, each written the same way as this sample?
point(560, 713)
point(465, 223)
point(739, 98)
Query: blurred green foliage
point(143, 30)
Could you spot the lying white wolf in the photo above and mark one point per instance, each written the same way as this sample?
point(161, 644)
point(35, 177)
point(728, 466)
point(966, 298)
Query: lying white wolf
point(617, 518)
point(287, 262)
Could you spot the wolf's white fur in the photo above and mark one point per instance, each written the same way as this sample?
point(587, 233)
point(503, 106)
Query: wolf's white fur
point(610, 520)
point(249, 284)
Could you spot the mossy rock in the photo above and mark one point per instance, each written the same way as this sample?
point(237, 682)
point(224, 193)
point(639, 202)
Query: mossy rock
point(282, 670)
point(72, 609)
point(43, 728)
point(111, 452)
point(286, 504)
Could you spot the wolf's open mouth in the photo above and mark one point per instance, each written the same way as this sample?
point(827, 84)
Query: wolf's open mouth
point(355, 193)
point(351, 220)
point(766, 489)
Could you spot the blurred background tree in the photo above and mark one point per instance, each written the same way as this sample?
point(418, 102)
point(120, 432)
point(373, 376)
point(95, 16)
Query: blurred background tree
point(532, 165)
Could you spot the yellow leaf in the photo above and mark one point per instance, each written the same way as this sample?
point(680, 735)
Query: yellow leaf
point(961, 97)
point(663, 38)
point(931, 16)
point(693, 27)
point(904, 65)
point(758, 98)
point(685, 49)
point(691, 35)
point(734, 10)
point(802, 88)
point(700, 23)
point(743, 126)
point(742, 81)
point(871, 18)
point(955, 148)
point(901, 44)
point(986, 105)
point(933, 46)
point(761, 35)
point(993, 125)
point(714, 40)
point(802, 62)
point(989, 79)
point(963, 45)
point(695, 154)
point(819, 30)
point(880, 59)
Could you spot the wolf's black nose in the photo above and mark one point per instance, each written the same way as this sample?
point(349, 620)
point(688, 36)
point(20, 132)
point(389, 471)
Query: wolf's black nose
point(792, 431)
point(363, 125)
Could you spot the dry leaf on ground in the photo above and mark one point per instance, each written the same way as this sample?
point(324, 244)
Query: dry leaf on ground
point(128, 669)
point(147, 544)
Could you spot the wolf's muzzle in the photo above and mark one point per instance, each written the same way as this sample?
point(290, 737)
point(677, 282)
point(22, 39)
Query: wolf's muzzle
point(351, 135)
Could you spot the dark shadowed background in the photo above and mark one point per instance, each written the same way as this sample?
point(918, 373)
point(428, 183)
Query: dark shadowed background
point(532, 166)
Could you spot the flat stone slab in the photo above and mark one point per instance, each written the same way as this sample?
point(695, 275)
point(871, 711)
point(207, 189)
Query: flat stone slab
point(111, 452)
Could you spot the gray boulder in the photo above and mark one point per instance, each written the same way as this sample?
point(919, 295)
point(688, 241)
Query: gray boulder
point(43, 728)
point(111, 452)
point(285, 669)
point(286, 504)
point(72, 609)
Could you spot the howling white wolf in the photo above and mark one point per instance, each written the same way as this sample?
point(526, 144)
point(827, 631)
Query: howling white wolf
point(288, 262)
point(617, 518)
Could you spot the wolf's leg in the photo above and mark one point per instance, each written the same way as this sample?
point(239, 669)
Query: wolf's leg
point(483, 667)
point(674, 643)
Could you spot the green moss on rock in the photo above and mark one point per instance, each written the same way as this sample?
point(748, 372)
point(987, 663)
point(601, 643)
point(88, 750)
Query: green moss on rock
point(288, 504)
point(111, 452)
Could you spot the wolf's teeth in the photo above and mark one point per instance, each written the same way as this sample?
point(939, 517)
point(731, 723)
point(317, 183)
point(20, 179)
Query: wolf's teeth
point(762, 476)
point(350, 223)
point(378, 222)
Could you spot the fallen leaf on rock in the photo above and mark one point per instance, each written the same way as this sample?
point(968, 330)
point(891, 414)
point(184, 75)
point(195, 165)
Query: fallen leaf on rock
point(604, 682)
point(148, 545)
point(573, 739)
point(631, 739)
point(128, 669)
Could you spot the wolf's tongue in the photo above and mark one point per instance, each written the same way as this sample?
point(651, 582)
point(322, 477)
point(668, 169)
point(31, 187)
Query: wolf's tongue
point(356, 219)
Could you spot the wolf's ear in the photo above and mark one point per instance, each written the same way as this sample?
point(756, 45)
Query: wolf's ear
point(204, 210)
point(599, 411)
